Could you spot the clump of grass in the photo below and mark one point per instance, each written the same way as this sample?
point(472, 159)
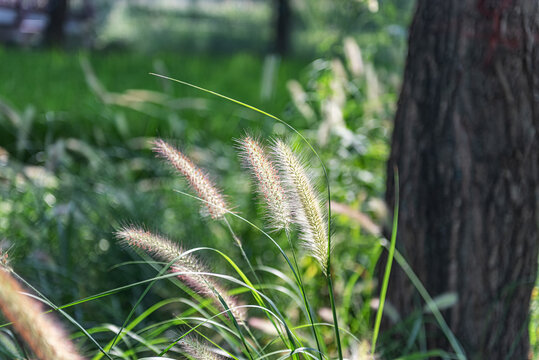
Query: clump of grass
point(295, 200)
point(193, 272)
point(44, 336)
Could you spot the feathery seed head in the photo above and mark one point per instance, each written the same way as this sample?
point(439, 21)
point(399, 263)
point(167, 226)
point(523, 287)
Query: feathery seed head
point(4, 261)
point(153, 244)
point(46, 339)
point(268, 182)
point(214, 201)
point(161, 248)
point(307, 214)
point(197, 350)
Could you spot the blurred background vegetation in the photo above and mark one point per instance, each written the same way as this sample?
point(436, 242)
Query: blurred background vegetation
point(76, 118)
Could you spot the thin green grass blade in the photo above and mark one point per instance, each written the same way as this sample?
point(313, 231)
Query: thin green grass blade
point(259, 296)
point(135, 322)
point(279, 274)
point(399, 258)
point(255, 227)
point(304, 296)
point(328, 325)
point(389, 263)
point(347, 294)
point(207, 320)
point(305, 351)
point(236, 325)
point(334, 312)
point(139, 300)
point(130, 334)
point(431, 304)
point(223, 303)
point(45, 300)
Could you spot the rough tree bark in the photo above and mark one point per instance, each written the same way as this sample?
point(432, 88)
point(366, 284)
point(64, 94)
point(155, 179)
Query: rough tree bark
point(466, 144)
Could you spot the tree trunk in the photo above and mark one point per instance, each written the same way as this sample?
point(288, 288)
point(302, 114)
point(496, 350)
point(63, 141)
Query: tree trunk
point(466, 144)
point(282, 26)
point(54, 34)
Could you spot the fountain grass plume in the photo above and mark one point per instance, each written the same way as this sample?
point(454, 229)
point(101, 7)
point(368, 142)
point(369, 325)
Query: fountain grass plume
point(307, 211)
point(44, 336)
point(162, 248)
point(198, 350)
point(215, 205)
point(268, 182)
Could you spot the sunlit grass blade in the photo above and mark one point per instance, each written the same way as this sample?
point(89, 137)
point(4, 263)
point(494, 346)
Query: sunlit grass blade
point(277, 317)
point(255, 227)
point(389, 262)
point(294, 271)
point(305, 351)
point(431, 304)
point(399, 258)
point(139, 300)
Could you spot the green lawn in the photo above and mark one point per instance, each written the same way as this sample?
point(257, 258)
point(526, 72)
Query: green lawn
point(54, 85)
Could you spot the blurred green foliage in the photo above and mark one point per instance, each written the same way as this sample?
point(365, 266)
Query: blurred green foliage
point(75, 160)
point(76, 164)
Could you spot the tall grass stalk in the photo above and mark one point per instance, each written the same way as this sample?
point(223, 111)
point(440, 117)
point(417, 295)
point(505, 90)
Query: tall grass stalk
point(240, 245)
point(199, 181)
point(389, 262)
point(304, 295)
point(270, 189)
point(326, 176)
point(431, 304)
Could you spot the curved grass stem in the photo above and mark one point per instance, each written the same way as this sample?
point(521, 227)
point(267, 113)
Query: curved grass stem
point(238, 242)
point(389, 262)
point(334, 312)
point(240, 245)
point(299, 281)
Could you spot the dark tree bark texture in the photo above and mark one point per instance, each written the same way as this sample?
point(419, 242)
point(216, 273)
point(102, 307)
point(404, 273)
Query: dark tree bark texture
point(466, 144)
